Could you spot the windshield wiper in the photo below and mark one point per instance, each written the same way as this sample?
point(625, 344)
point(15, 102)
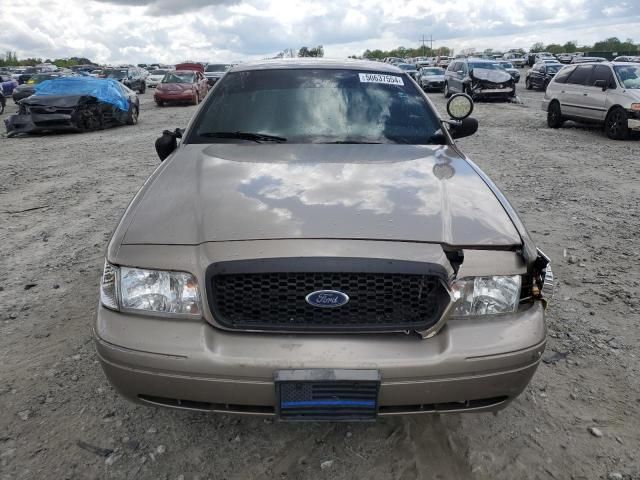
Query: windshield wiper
point(256, 137)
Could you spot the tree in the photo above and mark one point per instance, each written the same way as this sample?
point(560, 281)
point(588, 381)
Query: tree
point(311, 52)
point(554, 48)
point(570, 47)
point(537, 47)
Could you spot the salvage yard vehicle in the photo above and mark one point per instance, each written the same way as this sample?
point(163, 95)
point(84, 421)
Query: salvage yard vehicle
point(340, 260)
point(215, 71)
point(181, 86)
point(605, 93)
point(431, 78)
point(582, 59)
point(7, 85)
point(540, 75)
point(480, 79)
point(155, 77)
point(131, 77)
point(409, 68)
point(75, 104)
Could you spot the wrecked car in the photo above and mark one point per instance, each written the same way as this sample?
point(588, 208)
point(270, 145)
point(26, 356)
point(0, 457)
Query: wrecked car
point(75, 104)
point(341, 260)
point(181, 86)
point(7, 85)
point(480, 79)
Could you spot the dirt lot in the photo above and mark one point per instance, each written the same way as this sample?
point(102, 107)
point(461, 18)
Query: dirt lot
point(61, 196)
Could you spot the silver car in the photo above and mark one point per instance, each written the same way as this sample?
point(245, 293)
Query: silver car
point(431, 78)
point(605, 93)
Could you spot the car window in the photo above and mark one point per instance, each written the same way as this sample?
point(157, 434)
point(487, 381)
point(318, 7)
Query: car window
point(580, 75)
point(318, 106)
point(601, 72)
point(562, 75)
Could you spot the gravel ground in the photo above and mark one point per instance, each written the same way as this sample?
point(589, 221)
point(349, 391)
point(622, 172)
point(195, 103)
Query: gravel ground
point(61, 196)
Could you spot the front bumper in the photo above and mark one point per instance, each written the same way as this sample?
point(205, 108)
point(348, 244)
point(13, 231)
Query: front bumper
point(634, 120)
point(470, 365)
point(185, 96)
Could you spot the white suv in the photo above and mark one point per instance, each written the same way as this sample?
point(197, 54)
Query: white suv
point(606, 93)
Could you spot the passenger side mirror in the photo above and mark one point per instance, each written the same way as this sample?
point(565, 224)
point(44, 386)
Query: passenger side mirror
point(600, 84)
point(167, 143)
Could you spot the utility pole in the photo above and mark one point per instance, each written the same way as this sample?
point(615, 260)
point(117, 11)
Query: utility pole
point(430, 40)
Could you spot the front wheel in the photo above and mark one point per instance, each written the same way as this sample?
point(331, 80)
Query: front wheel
point(2, 104)
point(554, 115)
point(527, 84)
point(616, 125)
point(143, 88)
point(133, 116)
point(447, 93)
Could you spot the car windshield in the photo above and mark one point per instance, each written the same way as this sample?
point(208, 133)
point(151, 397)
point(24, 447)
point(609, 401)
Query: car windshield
point(432, 71)
point(485, 65)
point(318, 106)
point(117, 74)
point(158, 72)
point(553, 68)
point(217, 68)
point(506, 65)
point(629, 75)
point(178, 78)
point(406, 66)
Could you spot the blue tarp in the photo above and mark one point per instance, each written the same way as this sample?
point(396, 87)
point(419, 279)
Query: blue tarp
point(106, 90)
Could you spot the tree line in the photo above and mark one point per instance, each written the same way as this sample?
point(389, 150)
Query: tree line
point(613, 44)
point(10, 59)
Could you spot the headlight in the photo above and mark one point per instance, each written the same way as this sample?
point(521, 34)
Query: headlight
point(486, 295)
point(136, 289)
point(635, 107)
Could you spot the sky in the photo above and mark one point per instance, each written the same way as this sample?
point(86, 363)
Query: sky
point(169, 31)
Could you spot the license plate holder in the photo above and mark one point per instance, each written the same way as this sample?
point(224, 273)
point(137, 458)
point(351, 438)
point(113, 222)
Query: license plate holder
point(327, 395)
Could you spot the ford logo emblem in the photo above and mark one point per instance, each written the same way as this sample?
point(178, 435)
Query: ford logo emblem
point(327, 299)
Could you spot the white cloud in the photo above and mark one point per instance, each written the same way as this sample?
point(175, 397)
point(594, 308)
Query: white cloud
point(231, 30)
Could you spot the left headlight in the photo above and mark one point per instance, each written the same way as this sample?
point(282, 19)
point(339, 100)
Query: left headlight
point(153, 291)
point(486, 295)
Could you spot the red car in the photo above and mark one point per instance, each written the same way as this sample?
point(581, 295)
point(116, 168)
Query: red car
point(181, 86)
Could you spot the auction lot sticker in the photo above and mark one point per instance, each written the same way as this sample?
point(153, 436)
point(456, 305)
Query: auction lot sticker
point(380, 78)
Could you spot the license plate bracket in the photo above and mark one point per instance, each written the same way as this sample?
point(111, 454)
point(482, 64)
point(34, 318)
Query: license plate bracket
point(327, 395)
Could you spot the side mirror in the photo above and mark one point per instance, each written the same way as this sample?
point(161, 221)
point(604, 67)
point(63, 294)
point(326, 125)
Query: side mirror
point(600, 84)
point(463, 128)
point(167, 143)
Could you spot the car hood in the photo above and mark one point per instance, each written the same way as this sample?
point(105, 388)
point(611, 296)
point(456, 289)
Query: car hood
point(227, 192)
point(495, 76)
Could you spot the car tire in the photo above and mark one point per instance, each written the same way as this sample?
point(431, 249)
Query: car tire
point(133, 115)
point(527, 84)
point(2, 102)
point(545, 85)
point(616, 125)
point(446, 91)
point(160, 103)
point(143, 88)
point(554, 115)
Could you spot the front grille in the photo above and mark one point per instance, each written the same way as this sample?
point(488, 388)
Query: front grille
point(377, 301)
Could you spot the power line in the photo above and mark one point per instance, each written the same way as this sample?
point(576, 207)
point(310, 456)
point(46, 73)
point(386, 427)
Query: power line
point(430, 40)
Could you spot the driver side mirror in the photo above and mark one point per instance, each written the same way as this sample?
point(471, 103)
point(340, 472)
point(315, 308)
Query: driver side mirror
point(600, 84)
point(168, 142)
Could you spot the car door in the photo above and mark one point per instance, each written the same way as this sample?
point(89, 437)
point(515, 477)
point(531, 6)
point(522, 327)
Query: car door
point(596, 91)
point(573, 93)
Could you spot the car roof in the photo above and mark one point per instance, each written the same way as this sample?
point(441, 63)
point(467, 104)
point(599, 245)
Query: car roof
point(294, 63)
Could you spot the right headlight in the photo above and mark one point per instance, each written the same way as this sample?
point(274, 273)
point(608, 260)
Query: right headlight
point(150, 291)
point(486, 295)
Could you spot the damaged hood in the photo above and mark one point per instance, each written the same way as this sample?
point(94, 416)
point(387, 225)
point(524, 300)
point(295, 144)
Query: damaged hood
point(61, 101)
point(490, 75)
point(227, 192)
